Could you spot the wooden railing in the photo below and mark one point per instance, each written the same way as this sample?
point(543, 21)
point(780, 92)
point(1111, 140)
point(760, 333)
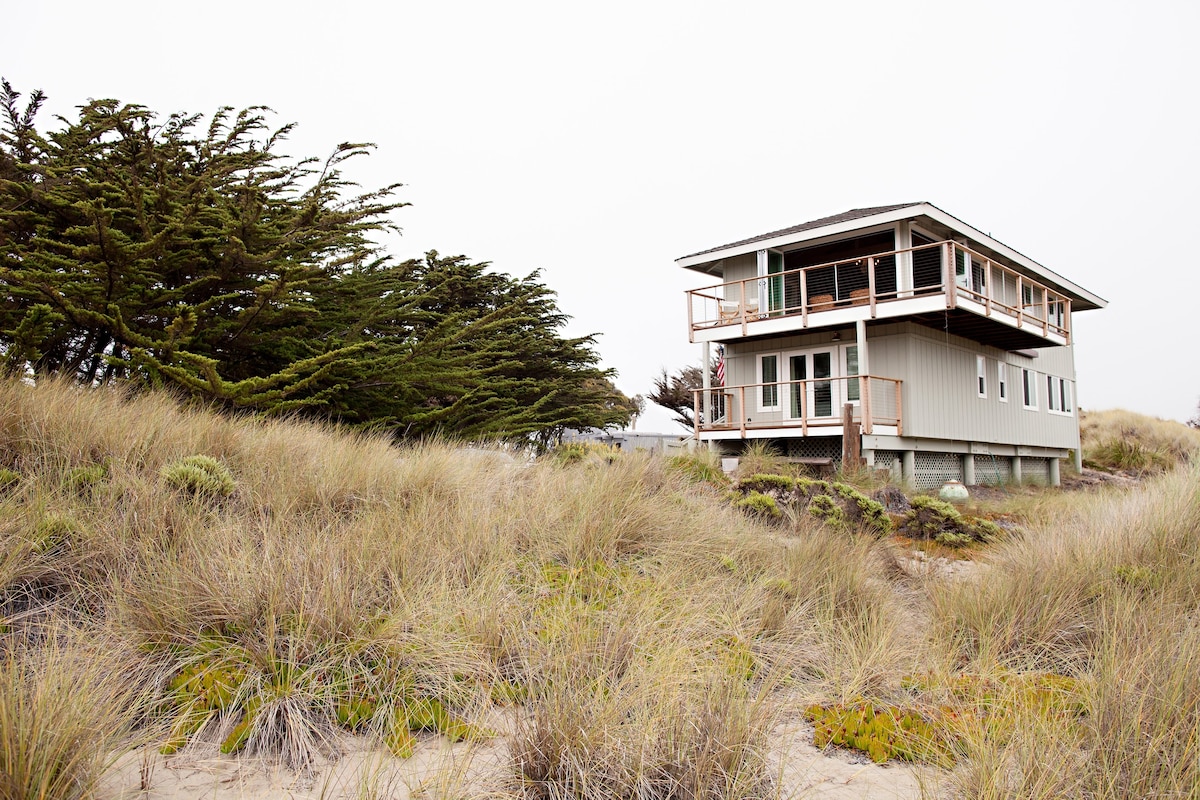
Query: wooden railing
point(812, 403)
point(941, 268)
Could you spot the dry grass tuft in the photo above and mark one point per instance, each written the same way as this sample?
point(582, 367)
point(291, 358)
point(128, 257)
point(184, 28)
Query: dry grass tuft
point(1124, 440)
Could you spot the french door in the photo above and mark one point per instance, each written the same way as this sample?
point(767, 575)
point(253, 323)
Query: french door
point(810, 392)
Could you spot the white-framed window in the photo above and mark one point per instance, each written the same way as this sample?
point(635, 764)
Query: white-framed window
point(1029, 389)
point(768, 374)
point(1058, 399)
point(1002, 381)
point(981, 376)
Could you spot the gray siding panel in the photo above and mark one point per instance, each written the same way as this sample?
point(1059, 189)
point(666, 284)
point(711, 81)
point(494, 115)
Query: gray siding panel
point(939, 374)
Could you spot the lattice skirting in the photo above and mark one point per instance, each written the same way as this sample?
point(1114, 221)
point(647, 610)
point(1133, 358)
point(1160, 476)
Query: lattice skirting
point(992, 470)
point(1035, 470)
point(889, 460)
point(816, 447)
point(934, 469)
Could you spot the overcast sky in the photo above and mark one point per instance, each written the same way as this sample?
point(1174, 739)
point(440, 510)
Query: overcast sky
point(598, 142)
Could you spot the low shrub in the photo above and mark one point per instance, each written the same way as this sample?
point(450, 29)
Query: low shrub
point(200, 475)
point(838, 505)
point(937, 520)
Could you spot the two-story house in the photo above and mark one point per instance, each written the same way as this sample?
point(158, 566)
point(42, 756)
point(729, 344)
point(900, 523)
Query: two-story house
point(954, 350)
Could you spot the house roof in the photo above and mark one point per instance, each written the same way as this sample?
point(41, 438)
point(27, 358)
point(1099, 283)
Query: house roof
point(845, 216)
point(860, 218)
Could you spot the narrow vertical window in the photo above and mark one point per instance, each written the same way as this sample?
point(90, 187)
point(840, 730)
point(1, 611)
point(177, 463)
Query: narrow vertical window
point(981, 375)
point(768, 376)
point(852, 369)
point(1002, 381)
point(1066, 397)
point(1029, 388)
point(1053, 395)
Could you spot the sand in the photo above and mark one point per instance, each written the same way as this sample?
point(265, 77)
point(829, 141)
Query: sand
point(439, 769)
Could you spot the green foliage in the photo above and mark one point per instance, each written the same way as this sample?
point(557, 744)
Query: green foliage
point(9, 479)
point(170, 252)
point(838, 505)
point(701, 466)
point(576, 452)
point(826, 509)
point(1129, 454)
point(766, 483)
point(200, 475)
point(56, 533)
point(1138, 577)
point(83, 478)
point(882, 732)
point(759, 505)
point(971, 706)
point(362, 697)
point(930, 518)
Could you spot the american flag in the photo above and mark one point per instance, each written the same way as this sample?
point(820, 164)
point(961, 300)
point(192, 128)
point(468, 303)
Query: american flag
point(720, 365)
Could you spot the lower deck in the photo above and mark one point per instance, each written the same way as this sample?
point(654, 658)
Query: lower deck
point(926, 463)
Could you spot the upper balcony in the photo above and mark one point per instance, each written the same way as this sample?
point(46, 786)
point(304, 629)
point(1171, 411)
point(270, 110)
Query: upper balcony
point(945, 284)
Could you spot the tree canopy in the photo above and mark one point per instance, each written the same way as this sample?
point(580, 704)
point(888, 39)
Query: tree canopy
point(675, 391)
point(198, 256)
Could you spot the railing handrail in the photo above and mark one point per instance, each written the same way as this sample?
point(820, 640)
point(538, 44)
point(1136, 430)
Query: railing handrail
point(734, 397)
point(882, 254)
point(1039, 311)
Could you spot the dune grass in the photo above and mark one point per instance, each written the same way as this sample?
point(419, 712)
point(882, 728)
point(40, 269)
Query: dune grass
point(628, 631)
point(1124, 440)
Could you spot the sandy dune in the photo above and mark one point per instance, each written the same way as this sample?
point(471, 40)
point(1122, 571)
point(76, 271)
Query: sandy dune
point(439, 769)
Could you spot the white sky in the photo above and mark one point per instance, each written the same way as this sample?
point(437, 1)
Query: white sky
point(598, 142)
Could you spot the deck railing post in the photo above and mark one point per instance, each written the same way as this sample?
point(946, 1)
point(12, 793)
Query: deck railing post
point(1045, 312)
point(948, 276)
point(691, 323)
point(871, 282)
point(742, 410)
point(1067, 319)
point(1020, 301)
point(866, 405)
point(987, 286)
point(696, 411)
point(804, 408)
point(803, 298)
point(742, 307)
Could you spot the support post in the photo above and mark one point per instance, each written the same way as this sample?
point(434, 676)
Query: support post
point(1055, 472)
point(706, 384)
point(851, 439)
point(1016, 470)
point(864, 370)
point(968, 469)
point(904, 258)
point(908, 467)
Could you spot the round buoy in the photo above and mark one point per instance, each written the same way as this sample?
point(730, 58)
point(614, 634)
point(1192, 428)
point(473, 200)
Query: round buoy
point(953, 492)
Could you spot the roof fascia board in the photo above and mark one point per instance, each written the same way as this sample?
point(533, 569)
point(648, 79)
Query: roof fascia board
point(1034, 267)
point(691, 262)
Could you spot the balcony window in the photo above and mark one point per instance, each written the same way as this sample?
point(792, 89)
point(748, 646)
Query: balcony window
point(768, 374)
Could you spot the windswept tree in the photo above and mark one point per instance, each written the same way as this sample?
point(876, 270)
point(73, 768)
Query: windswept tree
point(175, 253)
point(676, 392)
